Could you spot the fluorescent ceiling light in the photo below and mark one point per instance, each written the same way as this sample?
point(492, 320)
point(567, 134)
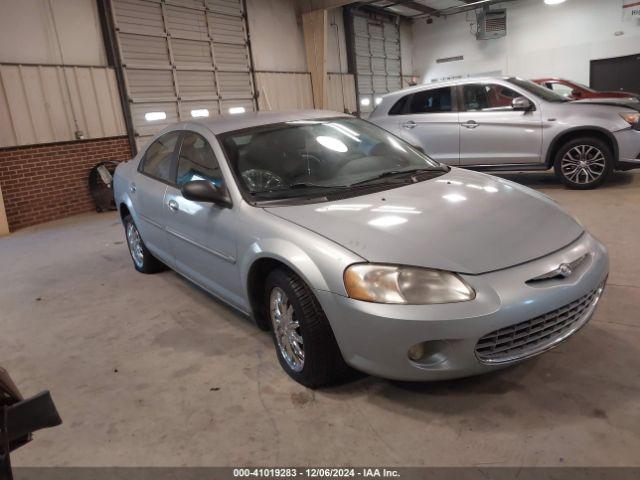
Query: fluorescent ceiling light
point(201, 112)
point(236, 110)
point(553, 2)
point(365, 102)
point(378, 100)
point(155, 116)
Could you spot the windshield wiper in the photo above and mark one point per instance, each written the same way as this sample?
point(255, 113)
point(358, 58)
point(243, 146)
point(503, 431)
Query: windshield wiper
point(394, 173)
point(296, 186)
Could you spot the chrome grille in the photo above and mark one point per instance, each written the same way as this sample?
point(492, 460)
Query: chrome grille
point(534, 336)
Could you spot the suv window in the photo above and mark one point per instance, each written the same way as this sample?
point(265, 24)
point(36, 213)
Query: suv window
point(481, 97)
point(157, 159)
point(431, 101)
point(197, 161)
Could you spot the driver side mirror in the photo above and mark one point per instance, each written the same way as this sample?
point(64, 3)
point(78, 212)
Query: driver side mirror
point(206, 191)
point(521, 103)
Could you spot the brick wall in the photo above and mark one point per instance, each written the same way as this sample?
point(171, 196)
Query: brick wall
point(46, 182)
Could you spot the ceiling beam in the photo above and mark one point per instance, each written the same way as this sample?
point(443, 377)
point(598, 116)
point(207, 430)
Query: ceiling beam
point(306, 6)
point(470, 5)
point(423, 9)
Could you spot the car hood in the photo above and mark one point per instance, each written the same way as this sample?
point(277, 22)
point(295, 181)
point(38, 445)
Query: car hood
point(462, 221)
point(613, 102)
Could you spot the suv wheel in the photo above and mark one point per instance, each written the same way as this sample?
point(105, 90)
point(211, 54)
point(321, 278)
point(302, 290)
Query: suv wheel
point(583, 163)
point(142, 258)
point(305, 344)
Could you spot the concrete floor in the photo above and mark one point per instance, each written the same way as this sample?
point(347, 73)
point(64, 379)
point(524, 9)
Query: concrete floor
point(149, 370)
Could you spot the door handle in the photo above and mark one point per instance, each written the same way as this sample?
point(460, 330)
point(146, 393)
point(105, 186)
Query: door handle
point(173, 205)
point(132, 188)
point(410, 124)
point(470, 124)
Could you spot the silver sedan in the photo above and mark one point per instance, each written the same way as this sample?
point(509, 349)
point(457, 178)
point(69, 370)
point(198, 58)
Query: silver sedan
point(356, 250)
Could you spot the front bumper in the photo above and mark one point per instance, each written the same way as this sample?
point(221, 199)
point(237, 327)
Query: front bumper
point(628, 149)
point(375, 338)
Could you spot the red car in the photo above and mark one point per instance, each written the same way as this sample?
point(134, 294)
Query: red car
point(577, 91)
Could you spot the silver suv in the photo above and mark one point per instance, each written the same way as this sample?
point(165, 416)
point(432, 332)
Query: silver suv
point(514, 124)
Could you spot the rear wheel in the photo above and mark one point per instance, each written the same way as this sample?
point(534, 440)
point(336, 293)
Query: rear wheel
point(584, 163)
point(305, 344)
point(143, 260)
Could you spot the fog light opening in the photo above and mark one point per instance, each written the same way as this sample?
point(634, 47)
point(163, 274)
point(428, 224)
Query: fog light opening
point(416, 352)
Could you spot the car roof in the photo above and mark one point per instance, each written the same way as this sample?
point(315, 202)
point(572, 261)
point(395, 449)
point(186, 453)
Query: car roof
point(446, 83)
point(228, 123)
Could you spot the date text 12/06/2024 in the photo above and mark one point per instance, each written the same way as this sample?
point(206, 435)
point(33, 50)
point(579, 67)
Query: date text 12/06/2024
point(315, 473)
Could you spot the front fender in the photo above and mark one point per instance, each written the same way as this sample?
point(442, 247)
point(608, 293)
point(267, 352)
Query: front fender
point(289, 254)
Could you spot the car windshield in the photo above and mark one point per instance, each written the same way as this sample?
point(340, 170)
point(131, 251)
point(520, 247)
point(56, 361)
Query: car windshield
point(588, 89)
point(305, 158)
point(538, 90)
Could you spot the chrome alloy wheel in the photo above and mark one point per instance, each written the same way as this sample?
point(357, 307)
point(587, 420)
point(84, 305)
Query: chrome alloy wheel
point(135, 245)
point(583, 164)
point(286, 329)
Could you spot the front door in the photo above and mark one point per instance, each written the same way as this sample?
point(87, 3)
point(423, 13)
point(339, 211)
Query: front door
point(202, 235)
point(429, 119)
point(492, 132)
point(147, 192)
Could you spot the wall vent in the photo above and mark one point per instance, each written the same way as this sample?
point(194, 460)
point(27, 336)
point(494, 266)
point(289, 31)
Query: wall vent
point(491, 24)
point(450, 59)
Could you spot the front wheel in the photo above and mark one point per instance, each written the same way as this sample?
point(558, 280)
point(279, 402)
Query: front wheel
point(143, 260)
point(584, 163)
point(305, 344)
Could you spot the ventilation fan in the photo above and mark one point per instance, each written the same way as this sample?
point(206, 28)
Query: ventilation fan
point(491, 24)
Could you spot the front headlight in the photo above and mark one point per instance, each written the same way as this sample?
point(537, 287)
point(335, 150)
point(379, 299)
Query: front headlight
point(405, 285)
point(631, 118)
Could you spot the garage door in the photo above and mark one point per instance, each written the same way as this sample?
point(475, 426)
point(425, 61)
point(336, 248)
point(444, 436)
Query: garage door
point(183, 59)
point(377, 58)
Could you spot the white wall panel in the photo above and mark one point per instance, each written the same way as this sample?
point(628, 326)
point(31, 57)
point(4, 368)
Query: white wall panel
point(27, 32)
point(284, 91)
point(38, 104)
point(542, 41)
point(341, 92)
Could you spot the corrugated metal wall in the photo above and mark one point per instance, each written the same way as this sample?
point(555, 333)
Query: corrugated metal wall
point(44, 104)
point(183, 59)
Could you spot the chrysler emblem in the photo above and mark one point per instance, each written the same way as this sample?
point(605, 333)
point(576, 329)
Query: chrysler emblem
point(564, 270)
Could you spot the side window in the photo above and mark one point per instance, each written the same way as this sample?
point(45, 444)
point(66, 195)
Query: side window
point(487, 97)
point(398, 107)
point(157, 159)
point(197, 161)
point(431, 101)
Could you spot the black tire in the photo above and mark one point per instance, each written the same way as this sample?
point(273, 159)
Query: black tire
point(597, 155)
point(323, 364)
point(148, 263)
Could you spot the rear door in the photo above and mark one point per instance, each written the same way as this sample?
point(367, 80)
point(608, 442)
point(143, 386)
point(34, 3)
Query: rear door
point(429, 119)
point(147, 193)
point(202, 235)
point(492, 132)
